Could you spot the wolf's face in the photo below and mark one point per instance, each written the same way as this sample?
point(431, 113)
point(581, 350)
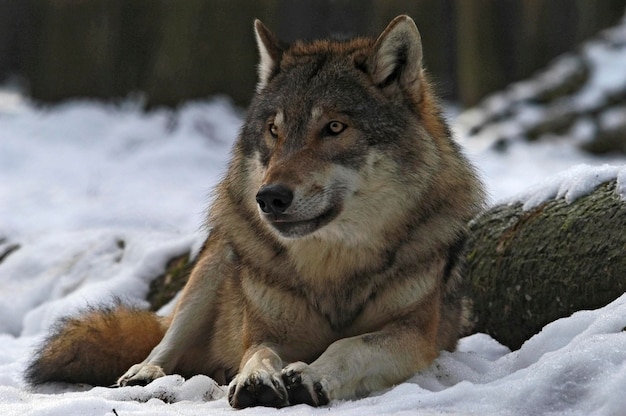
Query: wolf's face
point(326, 132)
point(310, 161)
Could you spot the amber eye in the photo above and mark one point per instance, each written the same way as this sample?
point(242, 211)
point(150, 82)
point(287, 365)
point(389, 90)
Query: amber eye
point(273, 129)
point(334, 128)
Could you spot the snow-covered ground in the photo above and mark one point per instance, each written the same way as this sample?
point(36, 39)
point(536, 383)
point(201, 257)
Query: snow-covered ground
point(98, 197)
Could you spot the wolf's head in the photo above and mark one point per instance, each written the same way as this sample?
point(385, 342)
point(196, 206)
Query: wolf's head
point(340, 138)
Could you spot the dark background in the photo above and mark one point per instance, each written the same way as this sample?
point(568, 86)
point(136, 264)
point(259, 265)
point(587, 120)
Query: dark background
point(175, 50)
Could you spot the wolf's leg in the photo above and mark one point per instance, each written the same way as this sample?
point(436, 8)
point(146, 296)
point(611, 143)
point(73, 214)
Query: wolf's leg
point(163, 358)
point(259, 382)
point(353, 367)
point(191, 320)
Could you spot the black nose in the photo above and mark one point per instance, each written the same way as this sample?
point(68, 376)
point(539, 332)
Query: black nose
point(274, 199)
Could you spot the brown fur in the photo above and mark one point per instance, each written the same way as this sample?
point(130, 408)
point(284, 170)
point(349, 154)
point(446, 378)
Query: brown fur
point(342, 277)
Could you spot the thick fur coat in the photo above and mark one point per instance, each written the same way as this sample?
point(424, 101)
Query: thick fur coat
point(333, 265)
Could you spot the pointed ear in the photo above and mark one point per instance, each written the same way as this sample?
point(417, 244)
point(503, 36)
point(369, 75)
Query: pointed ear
point(270, 52)
point(396, 57)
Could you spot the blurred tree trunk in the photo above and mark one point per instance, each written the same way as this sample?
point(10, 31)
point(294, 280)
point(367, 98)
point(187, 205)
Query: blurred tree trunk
point(529, 268)
point(12, 22)
point(72, 50)
point(179, 50)
point(479, 58)
point(204, 48)
point(499, 42)
point(139, 32)
point(338, 18)
point(172, 51)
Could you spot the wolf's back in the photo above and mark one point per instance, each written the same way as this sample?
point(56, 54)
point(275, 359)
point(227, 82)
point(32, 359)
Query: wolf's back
point(96, 347)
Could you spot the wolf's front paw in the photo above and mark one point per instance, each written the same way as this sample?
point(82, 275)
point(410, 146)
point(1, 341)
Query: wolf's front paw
point(304, 385)
point(140, 375)
point(258, 388)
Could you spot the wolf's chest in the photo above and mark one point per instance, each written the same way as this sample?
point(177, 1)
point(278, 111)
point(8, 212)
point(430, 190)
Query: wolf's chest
point(340, 307)
point(308, 307)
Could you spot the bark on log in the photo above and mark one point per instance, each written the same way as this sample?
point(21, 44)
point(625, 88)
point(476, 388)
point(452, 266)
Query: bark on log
point(529, 268)
point(166, 286)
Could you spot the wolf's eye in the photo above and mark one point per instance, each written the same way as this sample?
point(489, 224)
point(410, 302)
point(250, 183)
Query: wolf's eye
point(273, 129)
point(334, 128)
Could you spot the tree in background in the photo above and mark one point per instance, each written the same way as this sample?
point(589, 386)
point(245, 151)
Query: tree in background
point(175, 51)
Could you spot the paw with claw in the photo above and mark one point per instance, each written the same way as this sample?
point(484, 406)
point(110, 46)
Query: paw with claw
point(140, 375)
point(304, 385)
point(257, 388)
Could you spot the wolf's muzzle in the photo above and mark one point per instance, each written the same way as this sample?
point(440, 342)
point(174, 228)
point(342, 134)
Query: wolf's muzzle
point(274, 199)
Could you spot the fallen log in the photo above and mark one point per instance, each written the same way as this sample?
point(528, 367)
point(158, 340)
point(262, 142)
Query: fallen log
point(529, 267)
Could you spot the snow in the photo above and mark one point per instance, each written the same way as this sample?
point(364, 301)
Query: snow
point(508, 173)
point(98, 197)
point(584, 86)
point(575, 365)
point(607, 64)
point(74, 170)
point(571, 184)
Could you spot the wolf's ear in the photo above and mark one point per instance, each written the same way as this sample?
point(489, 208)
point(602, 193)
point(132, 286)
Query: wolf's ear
point(396, 57)
point(270, 52)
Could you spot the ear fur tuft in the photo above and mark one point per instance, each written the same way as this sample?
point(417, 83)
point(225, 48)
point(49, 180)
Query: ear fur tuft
point(396, 57)
point(269, 53)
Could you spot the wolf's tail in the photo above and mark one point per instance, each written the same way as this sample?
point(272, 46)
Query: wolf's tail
point(96, 347)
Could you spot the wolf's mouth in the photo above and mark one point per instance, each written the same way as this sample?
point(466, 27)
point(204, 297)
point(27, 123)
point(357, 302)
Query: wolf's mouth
point(290, 228)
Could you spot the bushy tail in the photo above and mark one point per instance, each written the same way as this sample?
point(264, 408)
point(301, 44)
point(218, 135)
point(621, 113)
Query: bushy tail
point(97, 347)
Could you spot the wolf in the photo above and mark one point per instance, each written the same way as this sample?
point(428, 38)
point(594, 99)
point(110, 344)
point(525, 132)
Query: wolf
point(334, 263)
